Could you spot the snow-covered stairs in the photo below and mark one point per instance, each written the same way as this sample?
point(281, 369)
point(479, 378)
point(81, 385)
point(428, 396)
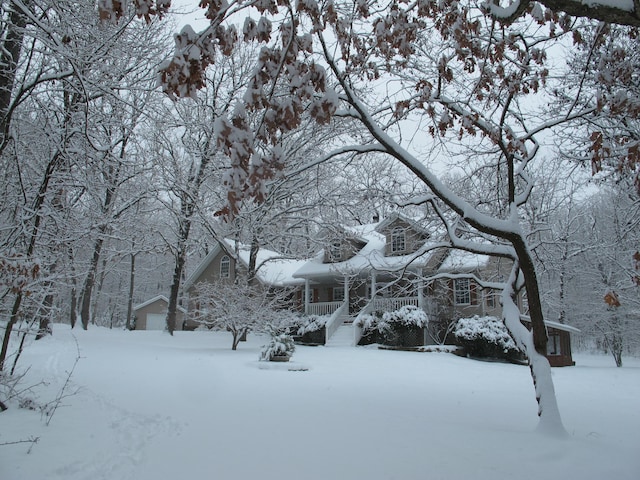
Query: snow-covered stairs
point(342, 337)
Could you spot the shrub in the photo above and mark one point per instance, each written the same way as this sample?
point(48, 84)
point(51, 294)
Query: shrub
point(280, 345)
point(409, 315)
point(402, 327)
point(486, 337)
point(312, 323)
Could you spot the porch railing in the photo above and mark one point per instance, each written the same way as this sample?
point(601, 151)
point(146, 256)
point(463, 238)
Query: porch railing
point(391, 304)
point(323, 308)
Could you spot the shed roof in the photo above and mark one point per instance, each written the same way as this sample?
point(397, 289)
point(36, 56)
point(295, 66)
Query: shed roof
point(156, 299)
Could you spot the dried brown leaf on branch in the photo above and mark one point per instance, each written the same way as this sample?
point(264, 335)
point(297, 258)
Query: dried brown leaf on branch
point(611, 299)
point(113, 10)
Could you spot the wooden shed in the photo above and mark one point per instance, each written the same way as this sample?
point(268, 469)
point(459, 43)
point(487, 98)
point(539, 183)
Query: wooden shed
point(559, 344)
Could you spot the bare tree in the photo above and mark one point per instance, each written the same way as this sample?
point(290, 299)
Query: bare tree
point(238, 308)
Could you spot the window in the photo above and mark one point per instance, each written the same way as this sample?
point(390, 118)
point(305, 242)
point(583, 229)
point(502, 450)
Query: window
point(338, 294)
point(398, 240)
point(335, 250)
point(225, 267)
point(462, 291)
point(491, 300)
point(553, 344)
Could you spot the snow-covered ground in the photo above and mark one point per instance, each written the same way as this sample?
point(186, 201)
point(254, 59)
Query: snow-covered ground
point(151, 407)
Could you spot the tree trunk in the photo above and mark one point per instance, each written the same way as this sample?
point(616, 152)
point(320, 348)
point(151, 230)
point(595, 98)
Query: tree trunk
point(548, 412)
point(20, 348)
point(73, 314)
point(175, 289)
point(9, 328)
point(87, 289)
point(132, 276)
point(44, 314)
point(9, 56)
point(528, 269)
point(253, 259)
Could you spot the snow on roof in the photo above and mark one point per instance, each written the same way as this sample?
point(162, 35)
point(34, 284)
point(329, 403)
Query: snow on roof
point(273, 269)
point(155, 299)
point(461, 260)
point(561, 326)
point(556, 325)
point(398, 216)
point(370, 257)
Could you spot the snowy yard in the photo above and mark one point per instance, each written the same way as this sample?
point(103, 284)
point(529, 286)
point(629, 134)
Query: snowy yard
point(152, 407)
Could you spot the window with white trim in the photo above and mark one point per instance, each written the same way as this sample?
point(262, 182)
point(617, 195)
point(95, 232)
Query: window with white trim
point(462, 291)
point(338, 294)
point(225, 267)
point(398, 240)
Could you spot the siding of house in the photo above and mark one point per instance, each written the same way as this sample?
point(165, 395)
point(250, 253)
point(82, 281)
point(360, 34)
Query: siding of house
point(211, 274)
point(413, 238)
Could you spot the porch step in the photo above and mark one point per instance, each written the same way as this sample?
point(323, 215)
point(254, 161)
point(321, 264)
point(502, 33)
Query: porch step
point(342, 337)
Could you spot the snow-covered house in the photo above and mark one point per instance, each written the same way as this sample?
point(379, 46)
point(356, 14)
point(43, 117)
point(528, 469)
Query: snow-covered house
point(380, 266)
point(395, 262)
point(152, 314)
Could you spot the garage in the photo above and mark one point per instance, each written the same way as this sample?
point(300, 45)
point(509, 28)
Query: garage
point(156, 321)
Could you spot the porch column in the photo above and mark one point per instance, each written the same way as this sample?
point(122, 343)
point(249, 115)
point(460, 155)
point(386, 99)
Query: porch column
point(346, 292)
point(373, 285)
point(421, 294)
point(307, 295)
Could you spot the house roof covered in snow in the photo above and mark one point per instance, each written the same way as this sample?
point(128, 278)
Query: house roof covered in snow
point(463, 261)
point(370, 258)
point(272, 267)
point(380, 226)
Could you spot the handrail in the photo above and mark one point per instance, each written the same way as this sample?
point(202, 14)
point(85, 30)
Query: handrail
point(333, 324)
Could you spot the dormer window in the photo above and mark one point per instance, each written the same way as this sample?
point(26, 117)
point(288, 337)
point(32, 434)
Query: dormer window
point(398, 240)
point(462, 291)
point(225, 266)
point(335, 250)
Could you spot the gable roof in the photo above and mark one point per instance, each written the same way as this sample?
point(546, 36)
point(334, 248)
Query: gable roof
point(556, 325)
point(273, 269)
point(398, 216)
point(155, 299)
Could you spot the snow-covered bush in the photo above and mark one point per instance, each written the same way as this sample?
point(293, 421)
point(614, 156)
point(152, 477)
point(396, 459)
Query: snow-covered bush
point(402, 327)
point(408, 315)
point(368, 321)
point(280, 345)
point(312, 323)
point(486, 337)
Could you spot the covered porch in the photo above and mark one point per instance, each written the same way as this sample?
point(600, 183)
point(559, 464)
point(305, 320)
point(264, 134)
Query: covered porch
point(373, 292)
